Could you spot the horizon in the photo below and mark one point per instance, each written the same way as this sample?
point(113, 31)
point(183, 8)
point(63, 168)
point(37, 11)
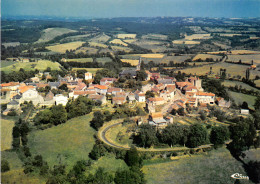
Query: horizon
point(119, 8)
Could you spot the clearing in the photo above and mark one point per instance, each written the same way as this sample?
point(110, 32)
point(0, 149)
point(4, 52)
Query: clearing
point(211, 167)
point(62, 48)
point(66, 143)
point(6, 134)
point(40, 65)
point(50, 33)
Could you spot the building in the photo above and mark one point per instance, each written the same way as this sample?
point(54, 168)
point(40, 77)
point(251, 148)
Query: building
point(221, 102)
point(139, 96)
point(98, 98)
point(118, 100)
point(156, 119)
point(88, 76)
point(61, 99)
point(48, 100)
point(107, 81)
point(54, 85)
point(155, 101)
point(204, 97)
point(130, 97)
point(113, 91)
point(101, 89)
point(128, 73)
point(32, 95)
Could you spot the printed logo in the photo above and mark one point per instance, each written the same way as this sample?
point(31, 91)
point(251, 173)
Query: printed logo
point(239, 176)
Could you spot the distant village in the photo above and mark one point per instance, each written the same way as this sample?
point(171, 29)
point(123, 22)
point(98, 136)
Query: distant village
point(169, 93)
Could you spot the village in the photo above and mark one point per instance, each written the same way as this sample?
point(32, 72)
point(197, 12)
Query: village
point(168, 94)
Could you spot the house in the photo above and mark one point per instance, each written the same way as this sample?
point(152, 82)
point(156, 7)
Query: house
point(13, 86)
point(149, 75)
point(166, 95)
point(32, 95)
point(181, 85)
point(128, 73)
point(54, 85)
point(195, 81)
point(165, 81)
point(221, 102)
point(88, 76)
point(140, 97)
point(204, 97)
point(13, 105)
point(76, 94)
point(244, 111)
point(61, 99)
point(48, 99)
point(192, 102)
point(155, 101)
point(186, 89)
point(81, 86)
point(5, 95)
point(156, 119)
point(101, 89)
point(35, 79)
point(130, 97)
point(41, 85)
point(107, 81)
point(147, 87)
point(113, 91)
point(118, 100)
point(98, 98)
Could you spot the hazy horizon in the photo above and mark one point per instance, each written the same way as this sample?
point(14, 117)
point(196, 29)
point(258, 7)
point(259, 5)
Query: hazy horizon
point(131, 8)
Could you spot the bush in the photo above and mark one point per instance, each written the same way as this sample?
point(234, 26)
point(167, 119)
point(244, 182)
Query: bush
point(5, 166)
point(12, 113)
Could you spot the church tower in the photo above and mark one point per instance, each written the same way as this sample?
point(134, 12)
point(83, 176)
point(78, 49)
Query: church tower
point(138, 67)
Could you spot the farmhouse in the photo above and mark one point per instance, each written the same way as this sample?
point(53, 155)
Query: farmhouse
point(207, 98)
point(156, 119)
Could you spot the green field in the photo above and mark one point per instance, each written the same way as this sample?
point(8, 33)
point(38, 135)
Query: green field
point(40, 65)
point(50, 33)
point(67, 143)
point(82, 60)
point(91, 70)
point(240, 98)
point(213, 167)
point(62, 48)
point(6, 134)
point(7, 63)
point(229, 83)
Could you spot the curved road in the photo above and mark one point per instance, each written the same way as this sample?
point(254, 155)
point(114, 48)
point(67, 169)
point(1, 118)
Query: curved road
point(103, 136)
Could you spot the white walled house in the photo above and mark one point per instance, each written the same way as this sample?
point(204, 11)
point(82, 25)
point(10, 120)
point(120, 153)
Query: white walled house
point(140, 97)
point(32, 95)
point(88, 76)
point(203, 97)
point(61, 99)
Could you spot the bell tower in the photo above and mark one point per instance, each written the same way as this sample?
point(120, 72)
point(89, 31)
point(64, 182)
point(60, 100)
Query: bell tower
point(138, 67)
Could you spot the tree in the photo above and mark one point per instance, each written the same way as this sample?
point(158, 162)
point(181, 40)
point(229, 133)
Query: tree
point(43, 117)
point(98, 120)
point(173, 134)
point(5, 166)
point(257, 103)
point(181, 112)
point(97, 151)
point(149, 94)
point(147, 136)
point(101, 177)
point(59, 115)
point(63, 87)
point(244, 105)
point(197, 136)
point(16, 137)
point(219, 135)
point(243, 135)
point(132, 157)
point(141, 75)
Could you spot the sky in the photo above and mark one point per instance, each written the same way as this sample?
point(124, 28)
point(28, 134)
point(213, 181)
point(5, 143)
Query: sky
point(131, 8)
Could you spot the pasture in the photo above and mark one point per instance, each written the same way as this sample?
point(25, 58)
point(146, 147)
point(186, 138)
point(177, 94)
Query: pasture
point(178, 42)
point(86, 50)
point(205, 56)
point(155, 37)
point(102, 38)
point(81, 60)
point(76, 38)
point(130, 41)
point(66, 143)
point(133, 62)
point(62, 48)
point(257, 82)
point(6, 134)
point(229, 83)
point(197, 36)
point(126, 36)
point(245, 58)
point(40, 65)
point(239, 98)
point(118, 48)
point(213, 167)
point(7, 63)
point(232, 69)
point(91, 70)
point(96, 44)
point(118, 42)
point(50, 33)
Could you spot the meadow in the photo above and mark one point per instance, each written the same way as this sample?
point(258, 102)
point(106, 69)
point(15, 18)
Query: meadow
point(205, 56)
point(210, 167)
point(86, 50)
point(257, 82)
point(6, 134)
point(40, 65)
point(118, 48)
point(124, 36)
point(96, 44)
point(229, 83)
point(133, 62)
point(155, 37)
point(91, 70)
point(232, 69)
point(62, 48)
point(118, 42)
point(245, 58)
point(50, 33)
point(239, 98)
point(102, 38)
point(65, 143)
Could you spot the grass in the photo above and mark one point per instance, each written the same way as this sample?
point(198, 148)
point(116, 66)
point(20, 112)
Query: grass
point(7, 63)
point(18, 176)
point(124, 36)
point(91, 70)
point(102, 38)
point(155, 37)
point(257, 82)
point(240, 98)
point(229, 83)
point(81, 60)
point(213, 167)
point(96, 44)
point(61, 48)
point(87, 50)
point(6, 134)
point(204, 56)
point(232, 69)
point(41, 65)
point(133, 62)
point(66, 143)
point(245, 58)
point(50, 33)
point(109, 163)
point(118, 42)
point(118, 48)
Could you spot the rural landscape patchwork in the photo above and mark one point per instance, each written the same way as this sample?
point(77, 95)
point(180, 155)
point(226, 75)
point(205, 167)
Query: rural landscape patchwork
point(130, 100)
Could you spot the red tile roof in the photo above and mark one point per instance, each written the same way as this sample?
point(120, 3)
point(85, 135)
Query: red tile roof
point(155, 99)
point(101, 87)
point(205, 94)
point(25, 88)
